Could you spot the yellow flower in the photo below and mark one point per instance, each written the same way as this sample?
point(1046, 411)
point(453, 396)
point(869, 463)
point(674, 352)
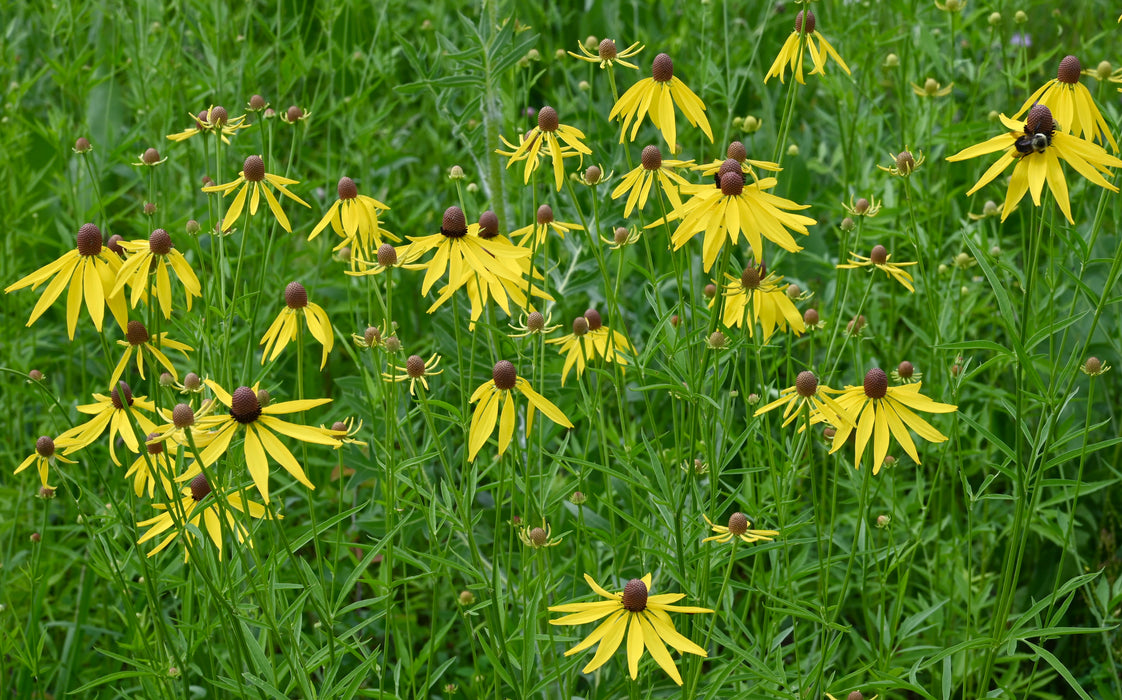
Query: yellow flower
point(253, 177)
point(42, 457)
point(808, 393)
point(932, 88)
point(346, 431)
point(555, 136)
point(215, 120)
point(151, 258)
point(591, 339)
point(1071, 104)
point(732, 208)
point(500, 390)
point(862, 207)
point(535, 233)
point(457, 252)
point(791, 54)
point(416, 368)
point(205, 515)
point(637, 183)
point(141, 471)
point(738, 527)
point(883, 412)
point(89, 271)
point(1037, 149)
point(635, 613)
point(285, 326)
point(878, 258)
point(111, 412)
point(739, 153)
point(354, 217)
point(656, 96)
point(763, 295)
point(138, 340)
point(607, 55)
point(261, 428)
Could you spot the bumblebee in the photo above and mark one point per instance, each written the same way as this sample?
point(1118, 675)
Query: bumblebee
point(1035, 142)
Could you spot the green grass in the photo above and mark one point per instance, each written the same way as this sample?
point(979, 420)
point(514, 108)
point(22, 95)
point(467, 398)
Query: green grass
point(992, 569)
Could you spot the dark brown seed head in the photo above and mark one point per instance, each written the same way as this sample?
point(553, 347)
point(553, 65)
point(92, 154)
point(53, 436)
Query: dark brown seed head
point(82, 145)
point(1093, 365)
point(183, 416)
point(295, 296)
point(45, 446)
point(548, 121)
point(159, 242)
point(810, 317)
point(594, 319)
point(732, 184)
point(730, 165)
point(662, 70)
point(339, 426)
point(878, 255)
point(738, 523)
point(545, 214)
point(504, 375)
point(201, 119)
point(114, 244)
point(200, 487)
point(454, 223)
point(257, 103)
point(652, 158)
point(861, 205)
point(905, 162)
point(371, 335)
point(149, 208)
point(192, 382)
point(1069, 71)
point(150, 157)
point(488, 224)
point(294, 114)
point(218, 116)
point(621, 235)
point(387, 255)
point(710, 291)
point(607, 50)
point(121, 390)
point(580, 326)
point(535, 322)
point(635, 592)
point(592, 175)
point(89, 240)
point(136, 333)
point(347, 188)
point(154, 448)
point(737, 152)
point(905, 369)
point(254, 169)
point(415, 366)
point(855, 325)
point(809, 22)
point(806, 384)
point(245, 407)
point(207, 181)
point(537, 536)
point(876, 383)
point(1039, 120)
point(750, 278)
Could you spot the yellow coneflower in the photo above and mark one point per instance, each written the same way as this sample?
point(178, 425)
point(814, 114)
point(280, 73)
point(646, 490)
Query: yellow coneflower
point(254, 178)
point(607, 55)
point(878, 259)
point(791, 54)
point(535, 233)
point(139, 341)
point(656, 96)
point(117, 412)
point(591, 339)
point(354, 218)
point(416, 369)
point(652, 168)
point(284, 328)
point(44, 454)
point(88, 273)
point(764, 296)
point(1037, 148)
point(1071, 104)
point(549, 136)
point(214, 120)
point(639, 616)
point(808, 393)
point(739, 527)
point(499, 392)
point(153, 258)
